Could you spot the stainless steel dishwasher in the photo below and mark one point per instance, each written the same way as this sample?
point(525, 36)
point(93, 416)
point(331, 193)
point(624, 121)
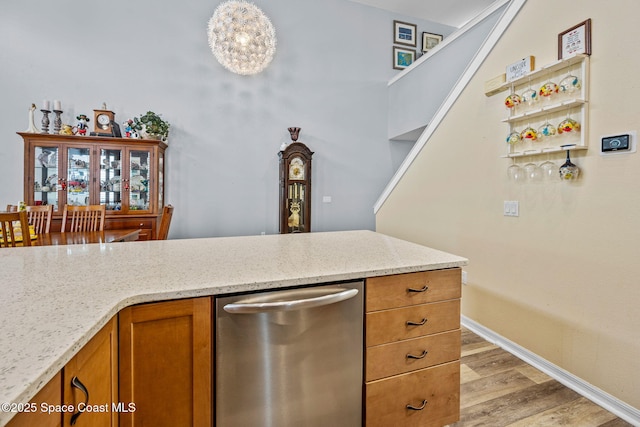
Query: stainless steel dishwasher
point(290, 358)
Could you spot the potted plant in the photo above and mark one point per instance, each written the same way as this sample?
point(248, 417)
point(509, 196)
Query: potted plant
point(151, 125)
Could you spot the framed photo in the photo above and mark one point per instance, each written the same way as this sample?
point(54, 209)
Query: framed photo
point(402, 57)
point(575, 40)
point(429, 41)
point(404, 33)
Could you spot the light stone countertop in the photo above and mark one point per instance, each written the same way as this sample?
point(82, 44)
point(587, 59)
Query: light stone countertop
point(53, 299)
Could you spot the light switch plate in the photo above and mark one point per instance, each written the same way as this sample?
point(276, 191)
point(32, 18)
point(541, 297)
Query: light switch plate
point(511, 208)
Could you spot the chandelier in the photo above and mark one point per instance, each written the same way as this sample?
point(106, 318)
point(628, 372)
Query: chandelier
point(241, 37)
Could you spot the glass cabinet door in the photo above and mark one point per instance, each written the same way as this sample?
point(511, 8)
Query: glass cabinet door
point(78, 179)
point(138, 184)
point(160, 180)
point(111, 178)
point(45, 177)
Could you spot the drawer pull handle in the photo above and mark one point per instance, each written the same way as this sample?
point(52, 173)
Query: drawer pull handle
point(422, 356)
point(420, 323)
point(425, 288)
point(418, 408)
point(76, 383)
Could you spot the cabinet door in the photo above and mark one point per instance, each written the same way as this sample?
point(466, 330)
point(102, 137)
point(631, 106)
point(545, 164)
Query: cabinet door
point(51, 394)
point(78, 179)
point(45, 183)
point(111, 178)
point(166, 363)
point(91, 381)
point(138, 182)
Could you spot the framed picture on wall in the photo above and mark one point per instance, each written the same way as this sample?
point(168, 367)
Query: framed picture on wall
point(404, 33)
point(429, 41)
point(402, 57)
point(575, 40)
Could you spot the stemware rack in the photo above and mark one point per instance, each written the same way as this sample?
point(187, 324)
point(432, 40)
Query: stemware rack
point(553, 109)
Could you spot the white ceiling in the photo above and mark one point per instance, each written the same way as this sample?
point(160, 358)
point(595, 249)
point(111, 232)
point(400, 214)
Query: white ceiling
point(455, 13)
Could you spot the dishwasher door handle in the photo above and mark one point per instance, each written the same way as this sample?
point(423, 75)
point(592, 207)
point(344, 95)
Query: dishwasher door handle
point(290, 305)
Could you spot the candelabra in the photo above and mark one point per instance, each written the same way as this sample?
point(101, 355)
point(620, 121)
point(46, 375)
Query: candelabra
point(57, 122)
point(45, 121)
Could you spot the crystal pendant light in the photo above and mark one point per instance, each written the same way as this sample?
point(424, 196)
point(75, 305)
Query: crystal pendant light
point(241, 37)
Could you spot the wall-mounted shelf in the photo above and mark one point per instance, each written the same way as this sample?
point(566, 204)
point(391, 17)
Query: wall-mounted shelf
point(546, 150)
point(551, 110)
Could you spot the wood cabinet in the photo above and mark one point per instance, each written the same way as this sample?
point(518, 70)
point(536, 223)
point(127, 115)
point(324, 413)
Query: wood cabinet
point(50, 394)
point(84, 391)
point(126, 175)
point(412, 355)
point(91, 381)
point(166, 363)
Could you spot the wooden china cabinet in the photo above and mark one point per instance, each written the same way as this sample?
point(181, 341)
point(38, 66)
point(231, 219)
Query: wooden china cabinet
point(126, 175)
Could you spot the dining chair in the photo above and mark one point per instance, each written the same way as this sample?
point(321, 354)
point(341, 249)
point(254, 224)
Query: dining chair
point(40, 217)
point(7, 219)
point(165, 222)
point(12, 208)
point(83, 218)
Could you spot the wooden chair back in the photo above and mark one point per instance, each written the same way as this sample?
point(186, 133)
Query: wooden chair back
point(40, 217)
point(165, 222)
point(83, 218)
point(6, 227)
point(12, 208)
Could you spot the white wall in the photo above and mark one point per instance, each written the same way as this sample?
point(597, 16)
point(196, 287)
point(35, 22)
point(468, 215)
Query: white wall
point(329, 76)
point(562, 278)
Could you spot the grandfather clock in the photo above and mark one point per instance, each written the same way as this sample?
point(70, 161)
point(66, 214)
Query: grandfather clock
point(295, 186)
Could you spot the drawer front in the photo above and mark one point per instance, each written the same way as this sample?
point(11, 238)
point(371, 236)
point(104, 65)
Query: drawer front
point(387, 400)
point(146, 225)
point(411, 322)
point(402, 290)
point(410, 355)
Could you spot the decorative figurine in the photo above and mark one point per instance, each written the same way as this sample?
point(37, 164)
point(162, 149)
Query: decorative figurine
point(32, 122)
point(129, 130)
point(66, 130)
point(81, 127)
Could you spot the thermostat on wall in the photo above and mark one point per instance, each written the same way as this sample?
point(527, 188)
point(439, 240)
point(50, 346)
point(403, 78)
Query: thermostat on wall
point(618, 144)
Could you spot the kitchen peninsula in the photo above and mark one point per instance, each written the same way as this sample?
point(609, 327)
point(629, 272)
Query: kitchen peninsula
point(55, 299)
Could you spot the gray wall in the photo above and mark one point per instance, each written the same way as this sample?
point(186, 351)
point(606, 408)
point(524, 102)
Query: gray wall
point(329, 76)
point(417, 96)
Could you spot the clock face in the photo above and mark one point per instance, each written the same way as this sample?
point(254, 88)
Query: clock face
point(103, 121)
point(296, 169)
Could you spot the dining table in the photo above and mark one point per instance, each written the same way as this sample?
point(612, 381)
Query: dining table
point(85, 237)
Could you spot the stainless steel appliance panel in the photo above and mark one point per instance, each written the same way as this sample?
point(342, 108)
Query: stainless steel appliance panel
point(290, 358)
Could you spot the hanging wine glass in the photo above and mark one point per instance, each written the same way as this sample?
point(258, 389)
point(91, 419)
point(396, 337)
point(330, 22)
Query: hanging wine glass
point(568, 125)
point(549, 170)
point(512, 100)
point(546, 130)
point(532, 172)
point(514, 137)
point(569, 84)
point(514, 172)
point(548, 89)
point(569, 171)
point(529, 133)
point(530, 96)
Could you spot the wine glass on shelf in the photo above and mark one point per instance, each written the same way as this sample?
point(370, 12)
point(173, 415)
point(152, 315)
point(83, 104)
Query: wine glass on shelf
point(569, 171)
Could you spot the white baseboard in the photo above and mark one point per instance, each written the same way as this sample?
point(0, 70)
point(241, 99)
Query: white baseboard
point(599, 397)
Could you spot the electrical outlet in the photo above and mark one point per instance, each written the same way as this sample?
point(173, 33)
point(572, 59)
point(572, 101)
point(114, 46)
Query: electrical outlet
point(511, 208)
point(464, 277)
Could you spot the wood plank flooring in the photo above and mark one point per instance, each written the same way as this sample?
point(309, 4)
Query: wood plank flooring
point(498, 389)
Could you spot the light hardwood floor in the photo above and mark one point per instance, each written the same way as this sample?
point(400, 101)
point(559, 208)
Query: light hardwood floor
point(498, 389)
